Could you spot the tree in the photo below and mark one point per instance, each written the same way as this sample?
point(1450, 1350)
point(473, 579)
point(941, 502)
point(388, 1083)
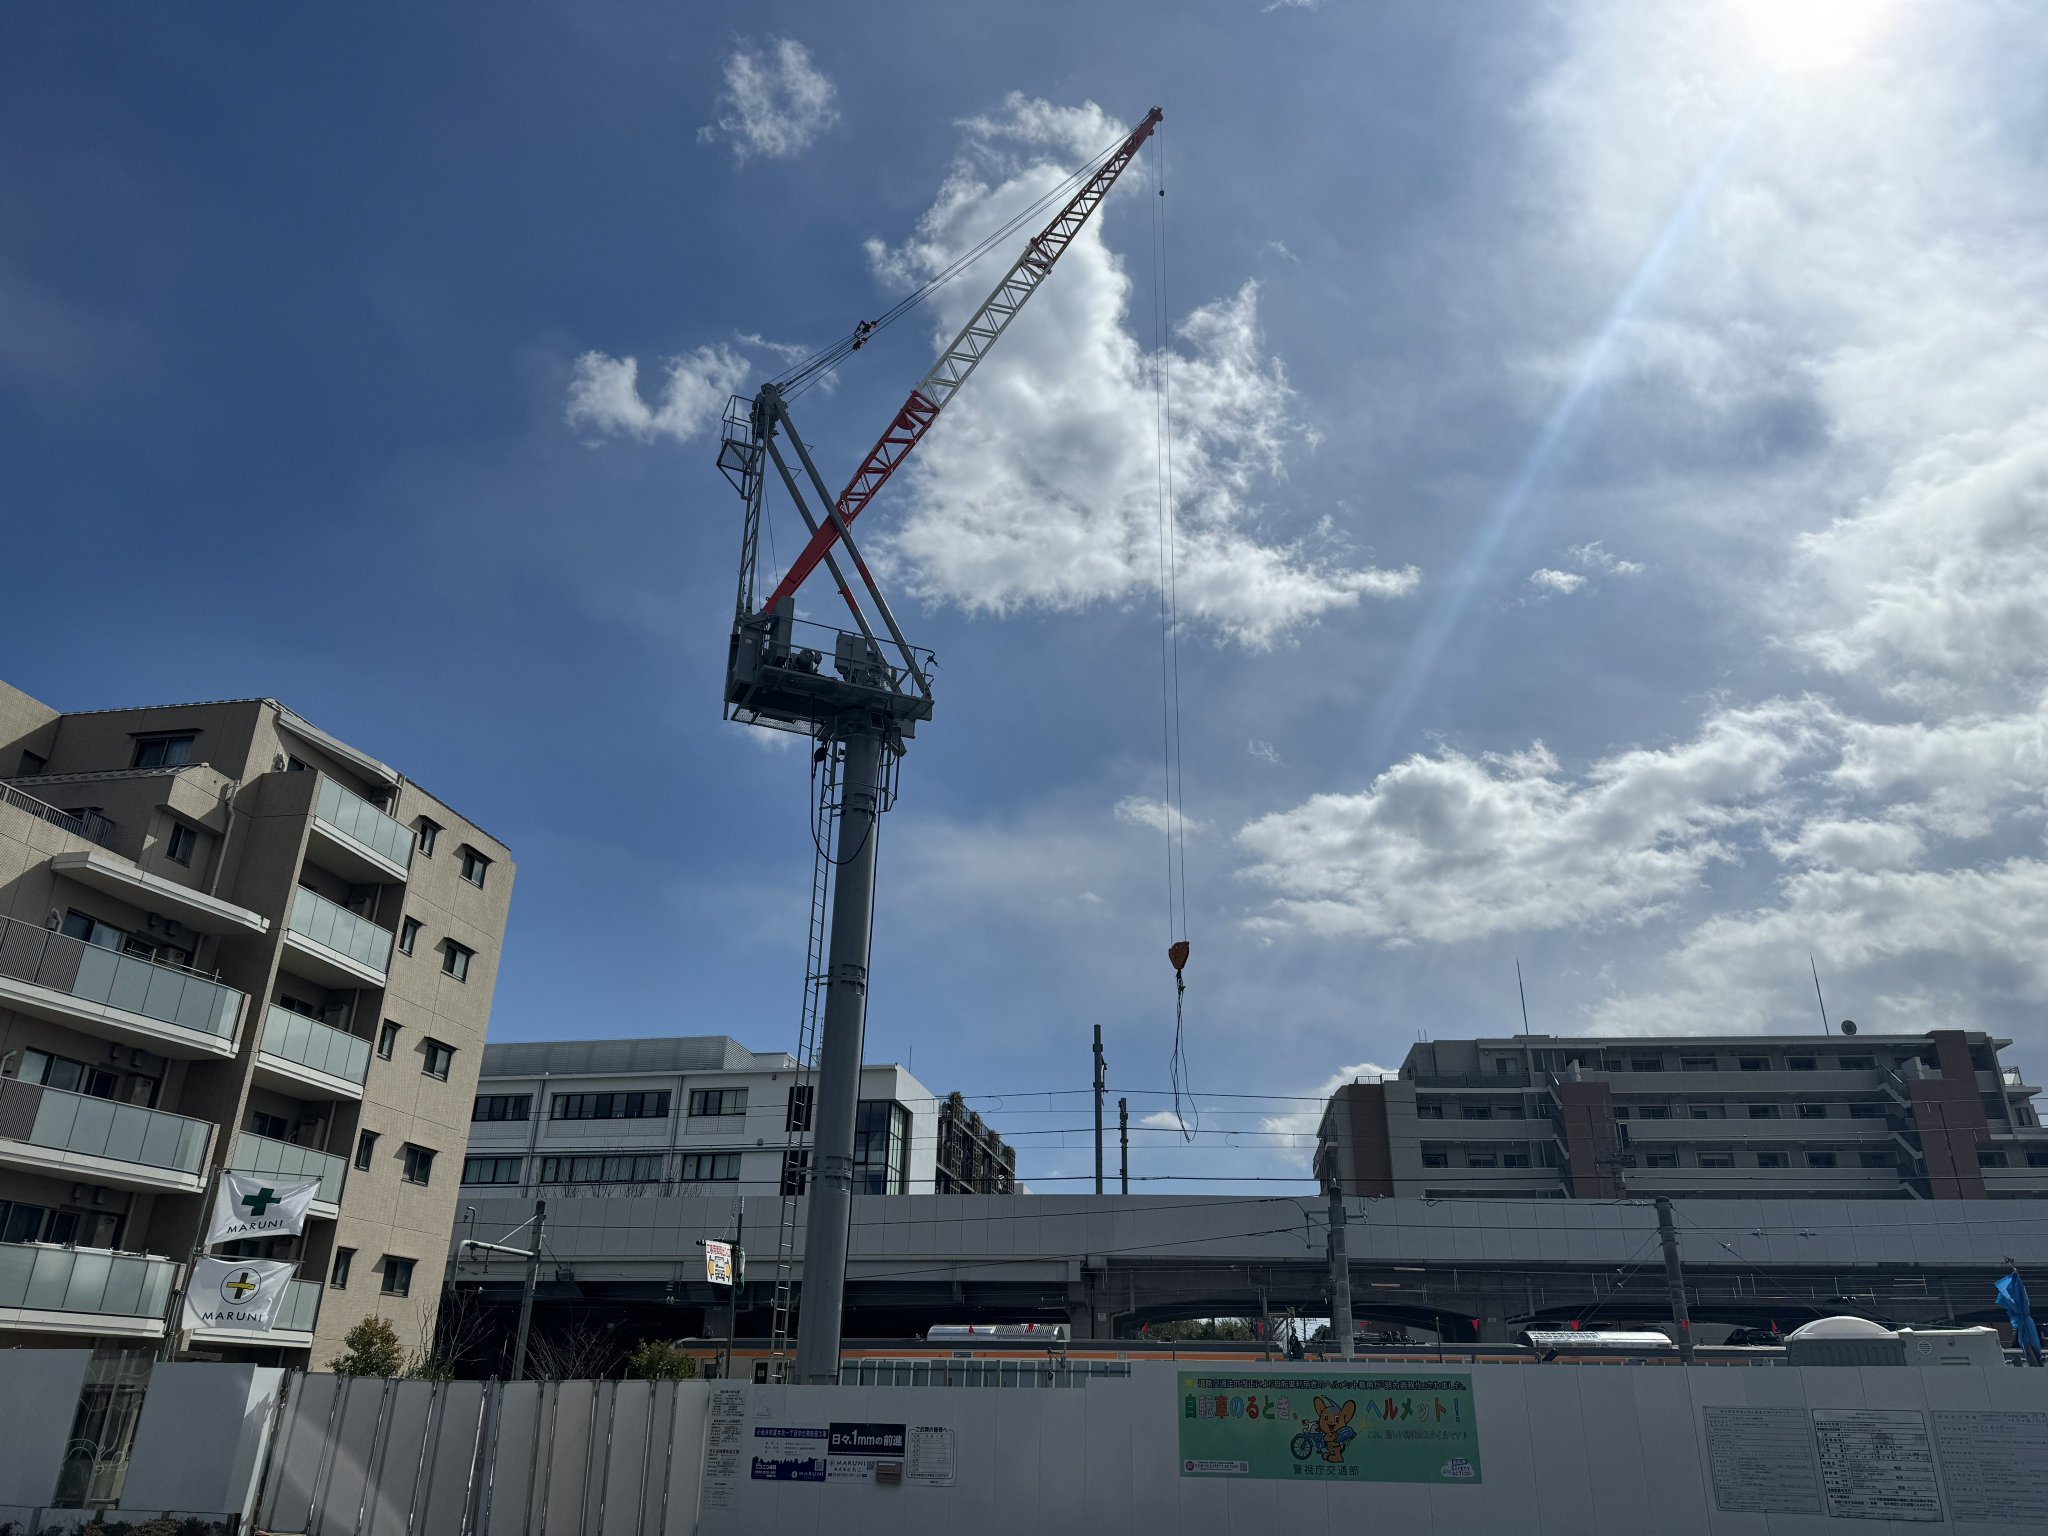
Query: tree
point(658, 1360)
point(370, 1348)
point(583, 1351)
point(1189, 1328)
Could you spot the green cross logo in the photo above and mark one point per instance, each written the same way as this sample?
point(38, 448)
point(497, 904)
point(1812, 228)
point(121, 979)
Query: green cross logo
point(261, 1201)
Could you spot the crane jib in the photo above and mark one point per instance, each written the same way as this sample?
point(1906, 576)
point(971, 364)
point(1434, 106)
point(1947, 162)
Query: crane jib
point(959, 360)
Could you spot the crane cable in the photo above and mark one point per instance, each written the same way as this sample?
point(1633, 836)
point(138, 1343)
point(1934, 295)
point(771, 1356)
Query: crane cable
point(1189, 1120)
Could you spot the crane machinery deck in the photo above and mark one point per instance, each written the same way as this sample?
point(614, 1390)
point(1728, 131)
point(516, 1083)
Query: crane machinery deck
point(860, 695)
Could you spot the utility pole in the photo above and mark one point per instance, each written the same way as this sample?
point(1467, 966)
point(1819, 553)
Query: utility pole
point(1340, 1273)
point(1098, 1108)
point(839, 1050)
point(1123, 1136)
point(739, 1271)
point(1674, 1280)
point(540, 1222)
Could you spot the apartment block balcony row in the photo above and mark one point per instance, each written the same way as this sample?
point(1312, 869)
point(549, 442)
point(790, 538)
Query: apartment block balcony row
point(96, 1292)
point(164, 1008)
point(334, 946)
point(99, 1141)
point(298, 1054)
point(358, 840)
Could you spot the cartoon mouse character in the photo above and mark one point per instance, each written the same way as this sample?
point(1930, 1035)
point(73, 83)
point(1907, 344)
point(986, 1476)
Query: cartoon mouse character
point(1333, 1423)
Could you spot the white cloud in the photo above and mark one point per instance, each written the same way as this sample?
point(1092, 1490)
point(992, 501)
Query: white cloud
point(604, 394)
point(788, 351)
point(1290, 5)
point(1592, 560)
point(1279, 248)
point(1595, 557)
point(1563, 583)
point(1854, 843)
point(775, 101)
point(1040, 486)
point(1304, 1121)
point(1455, 847)
point(1156, 816)
point(1264, 751)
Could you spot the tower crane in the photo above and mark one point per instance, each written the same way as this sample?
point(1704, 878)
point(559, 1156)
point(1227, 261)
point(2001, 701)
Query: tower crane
point(859, 696)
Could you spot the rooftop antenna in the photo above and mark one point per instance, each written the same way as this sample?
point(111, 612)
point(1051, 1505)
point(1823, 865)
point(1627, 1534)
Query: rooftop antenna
point(1816, 992)
point(1523, 993)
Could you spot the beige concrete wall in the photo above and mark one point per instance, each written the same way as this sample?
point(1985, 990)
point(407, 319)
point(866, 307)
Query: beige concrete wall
point(26, 725)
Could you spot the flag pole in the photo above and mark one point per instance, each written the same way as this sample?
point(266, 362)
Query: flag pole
point(174, 1315)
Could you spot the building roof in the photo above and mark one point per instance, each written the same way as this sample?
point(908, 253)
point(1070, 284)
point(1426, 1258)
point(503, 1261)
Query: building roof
point(674, 1053)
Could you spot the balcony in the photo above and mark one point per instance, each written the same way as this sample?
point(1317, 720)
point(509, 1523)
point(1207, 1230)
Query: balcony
point(97, 1141)
point(83, 1290)
point(1458, 1129)
point(281, 1159)
point(117, 877)
point(298, 1053)
point(291, 1329)
point(1740, 1130)
point(329, 944)
point(358, 840)
point(162, 1008)
point(90, 825)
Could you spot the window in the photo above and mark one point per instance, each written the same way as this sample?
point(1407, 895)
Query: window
point(2037, 1159)
point(437, 1058)
point(1710, 1111)
point(366, 1148)
point(163, 751)
point(796, 1116)
point(1699, 1064)
point(1990, 1159)
point(31, 764)
point(344, 1259)
point(429, 830)
point(297, 765)
point(1660, 1160)
point(1801, 1063)
point(1502, 1066)
point(1772, 1160)
point(1877, 1160)
point(1754, 1063)
point(387, 1040)
point(474, 866)
point(183, 841)
point(1820, 1159)
point(1646, 1064)
point(276, 1127)
point(1435, 1160)
point(881, 1144)
point(610, 1106)
point(419, 1164)
point(491, 1170)
point(1857, 1064)
point(1514, 1159)
point(643, 1168)
point(408, 935)
point(796, 1172)
point(1763, 1111)
point(503, 1106)
point(717, 1101)
point(81, 925)
point(716, 1167)
point(304, 1010)
point(1477, 1111)
point(1429, 1111)
point(21, 1222)
point(70, 1076)
point(1479, 1160)
point(1813, 1111)
point(1717, 1160)
point(1866, 1111)
point(1654, 1112)
point(1510, 1112)
point(397, 1275)
point(455, 960)
point(1621, 1111)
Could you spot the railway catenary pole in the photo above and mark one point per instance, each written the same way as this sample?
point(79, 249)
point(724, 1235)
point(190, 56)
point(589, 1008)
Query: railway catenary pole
point(1340, 1273)
point(839, 1051)
point(1674, 1280)
point(1123, 1137)
point(1098, 1108)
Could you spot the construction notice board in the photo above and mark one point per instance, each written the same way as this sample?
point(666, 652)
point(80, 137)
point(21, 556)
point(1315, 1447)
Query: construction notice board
point(1334, 1425)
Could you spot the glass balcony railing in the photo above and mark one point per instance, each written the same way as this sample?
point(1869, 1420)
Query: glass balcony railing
point(88, 1280)
point(355, 818)
point(315, 917)
point(122, 1133)
point(167, 993)
point(301, 1309)
point(307, 1042)
point(260, 1154)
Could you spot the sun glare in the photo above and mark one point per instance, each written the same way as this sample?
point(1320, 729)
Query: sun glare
point(1794, 35)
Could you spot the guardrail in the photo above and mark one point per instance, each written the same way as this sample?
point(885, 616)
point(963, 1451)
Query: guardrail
point(43, 1278)
point(122, 1133)
point(261, 1154)
point(307, 1042)
point(354, 817)
point(314, 917)
point(170, 994)
point(90, 825)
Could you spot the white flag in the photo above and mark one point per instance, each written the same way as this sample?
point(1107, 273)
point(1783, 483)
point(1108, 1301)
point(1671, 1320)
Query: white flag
point(250, 1205)
point(242, 1294)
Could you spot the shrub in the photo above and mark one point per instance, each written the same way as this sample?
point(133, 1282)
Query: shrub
point(657, 1360)
point(369, 1349)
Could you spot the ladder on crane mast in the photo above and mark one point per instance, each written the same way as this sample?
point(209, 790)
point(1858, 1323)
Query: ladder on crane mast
point(796, 1157)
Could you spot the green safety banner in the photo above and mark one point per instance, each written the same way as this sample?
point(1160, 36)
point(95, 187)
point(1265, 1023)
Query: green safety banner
point(1333, 1424)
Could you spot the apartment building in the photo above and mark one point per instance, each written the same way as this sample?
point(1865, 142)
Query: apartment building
point(972, 1159)
point(1929, 1116)
point(229, 941)
point(689, 1115)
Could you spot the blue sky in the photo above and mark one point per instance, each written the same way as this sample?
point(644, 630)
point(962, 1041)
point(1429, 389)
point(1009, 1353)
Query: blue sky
point(1610, 455)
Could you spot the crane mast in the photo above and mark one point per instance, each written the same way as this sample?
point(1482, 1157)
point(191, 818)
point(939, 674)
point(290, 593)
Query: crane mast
point(860, 695)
